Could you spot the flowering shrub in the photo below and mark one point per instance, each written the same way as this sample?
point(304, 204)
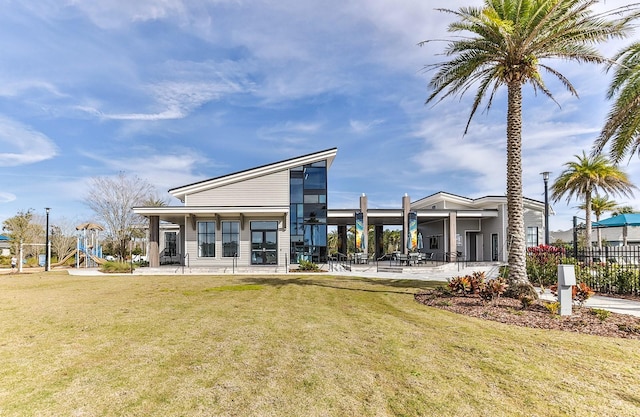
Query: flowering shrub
point(579, 293)
point(493, 289)
point(468, 284)
point(542, 264)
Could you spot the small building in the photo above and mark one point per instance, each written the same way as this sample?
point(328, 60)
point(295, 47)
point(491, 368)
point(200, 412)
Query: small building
point(5, 246)
point(277, 214)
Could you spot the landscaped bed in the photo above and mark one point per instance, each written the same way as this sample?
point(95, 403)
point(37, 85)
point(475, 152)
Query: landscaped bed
point(537, 315)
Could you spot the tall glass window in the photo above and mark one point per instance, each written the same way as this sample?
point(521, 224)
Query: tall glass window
point(264, 243)
point(230, 239)
point(308, 212)
point(206, 239)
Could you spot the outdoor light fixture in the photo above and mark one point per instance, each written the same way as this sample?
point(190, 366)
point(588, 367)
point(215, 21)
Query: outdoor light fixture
point(47, 251)
point(545, 177)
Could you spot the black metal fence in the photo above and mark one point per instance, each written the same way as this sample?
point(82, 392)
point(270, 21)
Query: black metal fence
point(614, 269)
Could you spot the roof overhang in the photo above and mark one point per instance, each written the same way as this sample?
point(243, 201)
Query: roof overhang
point(178, 215)
point(395, 217)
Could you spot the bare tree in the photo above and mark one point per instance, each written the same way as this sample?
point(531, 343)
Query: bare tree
point(112, 200)
point(63, 237)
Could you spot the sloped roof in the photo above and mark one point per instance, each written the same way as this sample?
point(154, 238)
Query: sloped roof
point(474, 203)
point(328, 154)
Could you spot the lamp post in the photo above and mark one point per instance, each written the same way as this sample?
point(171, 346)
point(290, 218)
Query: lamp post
point(47, 256)
point(545, 177)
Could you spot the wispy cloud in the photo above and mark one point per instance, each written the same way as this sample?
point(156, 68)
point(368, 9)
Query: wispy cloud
point(23, 145)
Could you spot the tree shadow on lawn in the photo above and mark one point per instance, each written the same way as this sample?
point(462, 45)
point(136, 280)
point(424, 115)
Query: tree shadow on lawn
point(349, 283)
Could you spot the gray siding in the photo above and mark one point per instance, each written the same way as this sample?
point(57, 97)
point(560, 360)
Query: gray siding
point(534, 218)
point(269, 190)
point(244, 252)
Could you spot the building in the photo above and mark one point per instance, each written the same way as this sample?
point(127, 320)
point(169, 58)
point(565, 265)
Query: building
point(277, 214)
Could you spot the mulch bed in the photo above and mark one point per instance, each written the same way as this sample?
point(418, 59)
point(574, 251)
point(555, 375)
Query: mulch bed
point(510, 311)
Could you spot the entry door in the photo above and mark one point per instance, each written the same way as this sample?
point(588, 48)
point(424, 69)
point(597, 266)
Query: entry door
point(264, 247)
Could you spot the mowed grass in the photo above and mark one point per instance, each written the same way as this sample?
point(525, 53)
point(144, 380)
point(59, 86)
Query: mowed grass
point(287, 346)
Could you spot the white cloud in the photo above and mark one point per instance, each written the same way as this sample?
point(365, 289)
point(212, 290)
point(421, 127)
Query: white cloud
point(165, 170)
point(7, 197)
point(23, 145)
point(360, 126)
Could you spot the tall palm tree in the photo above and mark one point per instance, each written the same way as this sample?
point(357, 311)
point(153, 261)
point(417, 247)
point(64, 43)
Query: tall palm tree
point(507, 42)
point(622, 128)
point(623, 210)
point(587, 175)
point(599, 205)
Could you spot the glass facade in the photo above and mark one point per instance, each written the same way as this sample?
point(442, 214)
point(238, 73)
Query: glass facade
point(308, 212)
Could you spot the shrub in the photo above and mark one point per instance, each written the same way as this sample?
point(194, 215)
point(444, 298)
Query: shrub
point(553, 308)
point(542, 263)
point(468, 284)
point(307, 266)
point(526, 301)
point(114, 267)
point(476, 281)
point(460, 285)
point(581, 293)
point(601, 313)
point(493, 289)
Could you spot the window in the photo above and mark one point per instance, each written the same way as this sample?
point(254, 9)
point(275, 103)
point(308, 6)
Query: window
point(230, 239)
point(170, 243)
point(308, 212)
point(206, 239)
point(264, 243)
point(532, 236)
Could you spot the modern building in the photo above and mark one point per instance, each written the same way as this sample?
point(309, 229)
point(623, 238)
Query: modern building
point(277, 214)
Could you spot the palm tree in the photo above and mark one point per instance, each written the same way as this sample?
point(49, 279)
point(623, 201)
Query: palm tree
point(622, 127)
point(508, 41)
point(587, 175)
point(622, 210)
point(599, 205)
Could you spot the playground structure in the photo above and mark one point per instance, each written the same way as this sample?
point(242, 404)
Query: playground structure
point(88, 251)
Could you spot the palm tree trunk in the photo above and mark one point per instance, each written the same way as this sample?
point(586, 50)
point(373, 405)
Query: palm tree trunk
point(587, 219)
point(516, 234)
point(598, 232)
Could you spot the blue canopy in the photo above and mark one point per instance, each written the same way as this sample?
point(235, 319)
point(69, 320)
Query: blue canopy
point(631, 219)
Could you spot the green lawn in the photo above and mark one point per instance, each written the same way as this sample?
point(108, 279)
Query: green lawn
point(287, 346)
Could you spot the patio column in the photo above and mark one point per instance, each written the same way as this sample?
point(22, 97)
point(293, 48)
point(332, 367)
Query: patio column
point(154, 242)
point(406, 208)
point(365, 221)
point(342, 239)
point(453, 231)
point(379, 233)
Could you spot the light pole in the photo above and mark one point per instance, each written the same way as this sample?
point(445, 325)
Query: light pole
point(47, 256)
point(545, 177)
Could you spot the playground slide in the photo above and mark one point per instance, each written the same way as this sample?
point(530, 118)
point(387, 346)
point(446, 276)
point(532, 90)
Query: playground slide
point(99, 261)
point(65, 259)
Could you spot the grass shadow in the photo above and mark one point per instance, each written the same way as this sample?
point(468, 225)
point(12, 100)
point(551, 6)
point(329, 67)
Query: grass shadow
point(348, 283)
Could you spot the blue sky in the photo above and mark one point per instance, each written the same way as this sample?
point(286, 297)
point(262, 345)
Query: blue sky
point(180, 91)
